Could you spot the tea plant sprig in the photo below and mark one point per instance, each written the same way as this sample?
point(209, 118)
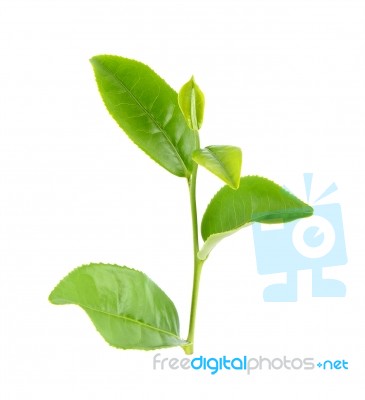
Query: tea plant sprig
point(127, 308)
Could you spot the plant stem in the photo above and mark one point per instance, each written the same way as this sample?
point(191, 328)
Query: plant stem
point(198, 264)
point(189, 349)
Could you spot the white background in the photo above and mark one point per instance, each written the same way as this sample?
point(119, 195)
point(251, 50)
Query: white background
point(284, 80)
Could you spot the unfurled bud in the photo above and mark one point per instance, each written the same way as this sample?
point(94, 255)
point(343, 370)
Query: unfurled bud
point(191, 102)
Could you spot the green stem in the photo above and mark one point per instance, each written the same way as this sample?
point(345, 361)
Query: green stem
point(189, 349)
point(198, 264)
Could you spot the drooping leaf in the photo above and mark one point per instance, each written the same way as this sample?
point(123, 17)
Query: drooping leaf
point(127, 308)
point(191, 101)
point(256, 200)
point(223, 161)
point(146, 108)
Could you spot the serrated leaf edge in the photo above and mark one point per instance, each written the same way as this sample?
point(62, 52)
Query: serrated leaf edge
point(203, 251)
point(162, 130)
point(183, 343)
point(229, 179)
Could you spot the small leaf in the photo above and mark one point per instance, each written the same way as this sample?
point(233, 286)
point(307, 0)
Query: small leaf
point(127, 308)
point(256, 200)
point(191, 102)
point(146, 108)
point(223, 161)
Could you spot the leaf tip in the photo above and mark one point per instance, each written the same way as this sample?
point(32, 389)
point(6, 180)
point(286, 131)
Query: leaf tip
point(310, 210)
point(94, 59)
point(235, 185)
point(51, 297)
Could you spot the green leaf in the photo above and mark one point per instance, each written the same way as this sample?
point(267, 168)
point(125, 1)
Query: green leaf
point(146, 108)
point(127, 308)
point(256, 200)
point(223, 161)
point(191, 102)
